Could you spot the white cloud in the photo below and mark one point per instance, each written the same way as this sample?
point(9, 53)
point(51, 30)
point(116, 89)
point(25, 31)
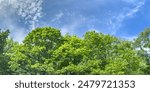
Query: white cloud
point(130, 38)
point(70, 28)
point(57, 17)
point(74, 23)
point(19, 34)
point(71, 15)
point(30, 11)
point(97, 14)
point(116, 21)
point(136, 9)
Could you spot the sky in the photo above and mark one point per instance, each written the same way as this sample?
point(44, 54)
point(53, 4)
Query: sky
point(121, 18)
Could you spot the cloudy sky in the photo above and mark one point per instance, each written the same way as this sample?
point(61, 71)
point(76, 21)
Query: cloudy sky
point(122, 18)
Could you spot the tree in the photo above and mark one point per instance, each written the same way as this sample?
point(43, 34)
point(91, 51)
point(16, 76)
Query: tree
point(34, 55)
point(46, 51)
point(112, 55)
point(142, 44)
point(3, 52)
point(68, 57)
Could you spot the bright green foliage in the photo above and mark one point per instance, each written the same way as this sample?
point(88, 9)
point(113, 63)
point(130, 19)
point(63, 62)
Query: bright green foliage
point(3, 50)
point(124, 60)
point(34, 56)
point(142, 43)
point(114, 56)
point(3, 38)
point(143, 40)
point(69, 56)
point(46, 51)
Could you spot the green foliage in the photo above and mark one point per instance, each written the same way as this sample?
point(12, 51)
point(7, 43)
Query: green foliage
point(45, 51)
point(115, 56)
point(3, 52)
point(3, 38)
point(34, 56)
point(142, 44)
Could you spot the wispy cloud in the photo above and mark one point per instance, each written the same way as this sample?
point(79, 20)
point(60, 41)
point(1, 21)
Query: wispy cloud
point(104, 15)
point(136, 9)
point(71, 16)
point(29, 10)
point(116, 21)
point(15, 13)
point(70, 28)
point(58, 17)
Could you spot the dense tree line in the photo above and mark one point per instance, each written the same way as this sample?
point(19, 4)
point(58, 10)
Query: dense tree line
point(45, 51)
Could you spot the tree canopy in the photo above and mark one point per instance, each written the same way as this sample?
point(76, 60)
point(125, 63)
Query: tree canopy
point(45, 51)
point(4, 47)
point(142, 44)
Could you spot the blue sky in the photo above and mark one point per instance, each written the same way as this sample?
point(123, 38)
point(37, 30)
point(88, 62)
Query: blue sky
point(122, 18)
